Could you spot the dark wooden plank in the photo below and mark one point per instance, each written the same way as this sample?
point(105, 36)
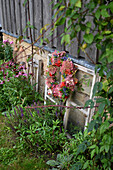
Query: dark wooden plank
point(23, 15)
point(32, 8)
point(5, 15)
point(18, 17)
point(47, 17)
point(2, 14)
point(13, 17)
point(54, 41)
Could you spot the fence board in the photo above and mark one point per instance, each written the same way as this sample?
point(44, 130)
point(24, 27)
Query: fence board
point(2, 14)
point(13, 17)
point(23, 14)
point(18, 17)
point(5, 14)
point(47, 15)
point(38, 17)
point(32, 8)
point(8, 16)
point(54, 42)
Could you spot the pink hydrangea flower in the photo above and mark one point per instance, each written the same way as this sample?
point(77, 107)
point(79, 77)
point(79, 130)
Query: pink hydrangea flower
point(57, 92)
point(69, 81)
point(49, 81)
point(67, 67)
point(52, 70)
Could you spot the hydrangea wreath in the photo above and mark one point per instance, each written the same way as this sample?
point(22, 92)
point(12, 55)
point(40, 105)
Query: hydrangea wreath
point(59, 61)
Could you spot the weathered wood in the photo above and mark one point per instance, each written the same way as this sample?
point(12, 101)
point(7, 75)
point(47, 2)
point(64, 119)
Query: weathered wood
point(76, 119)
point(86, 81)
point(13, 17)
point(38, 18)
point(47, 15)
point(54, 41)
point(8, 16)
point(23, 15)
point(32, 8)
point(2, 14)
point(18, 17)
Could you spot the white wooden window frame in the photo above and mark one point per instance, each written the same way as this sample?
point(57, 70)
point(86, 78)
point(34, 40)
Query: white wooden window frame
point(89, 113)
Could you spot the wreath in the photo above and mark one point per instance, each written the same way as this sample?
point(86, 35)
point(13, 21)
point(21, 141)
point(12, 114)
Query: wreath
point(59, 62)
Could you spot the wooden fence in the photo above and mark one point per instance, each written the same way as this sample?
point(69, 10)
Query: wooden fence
point(14, 18)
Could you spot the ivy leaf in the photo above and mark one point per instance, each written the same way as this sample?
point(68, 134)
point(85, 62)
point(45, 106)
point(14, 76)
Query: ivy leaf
point(88, 38)
point(66, 39)
point(104, 13)
point(73, 2)
point(60, 22)
point(88, 24)
point(78, 4)
point(97, 14)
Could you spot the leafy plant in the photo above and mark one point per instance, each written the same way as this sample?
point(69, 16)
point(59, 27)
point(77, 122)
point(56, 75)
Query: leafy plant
point(37, 130)
point(6, 51)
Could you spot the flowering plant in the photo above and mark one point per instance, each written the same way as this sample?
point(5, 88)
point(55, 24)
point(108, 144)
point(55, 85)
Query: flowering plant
point(6, 51)
point(60, 62)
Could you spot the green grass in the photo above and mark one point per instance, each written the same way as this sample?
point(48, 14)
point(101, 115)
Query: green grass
point(12, 158)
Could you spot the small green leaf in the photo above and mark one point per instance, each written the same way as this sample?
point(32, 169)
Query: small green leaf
point(110, 90)
point(93, 146)
point(106, 148)
point(52, 163)
point(104, 13)
point(104, 127)
point(92, 153)
point(89, 102)
point(88, 24)
point(86, 164)
point(66, 39)
point(101, 107)
point(60, 22)
point(88, 38)
point(97, 14)
point(102, 148)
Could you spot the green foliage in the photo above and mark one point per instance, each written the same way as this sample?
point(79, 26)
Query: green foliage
point(38, 130)
point(94, 148)
point(6, 51)
point(15, 87)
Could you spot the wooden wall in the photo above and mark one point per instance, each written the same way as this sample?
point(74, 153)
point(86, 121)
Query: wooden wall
point(14, 18)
